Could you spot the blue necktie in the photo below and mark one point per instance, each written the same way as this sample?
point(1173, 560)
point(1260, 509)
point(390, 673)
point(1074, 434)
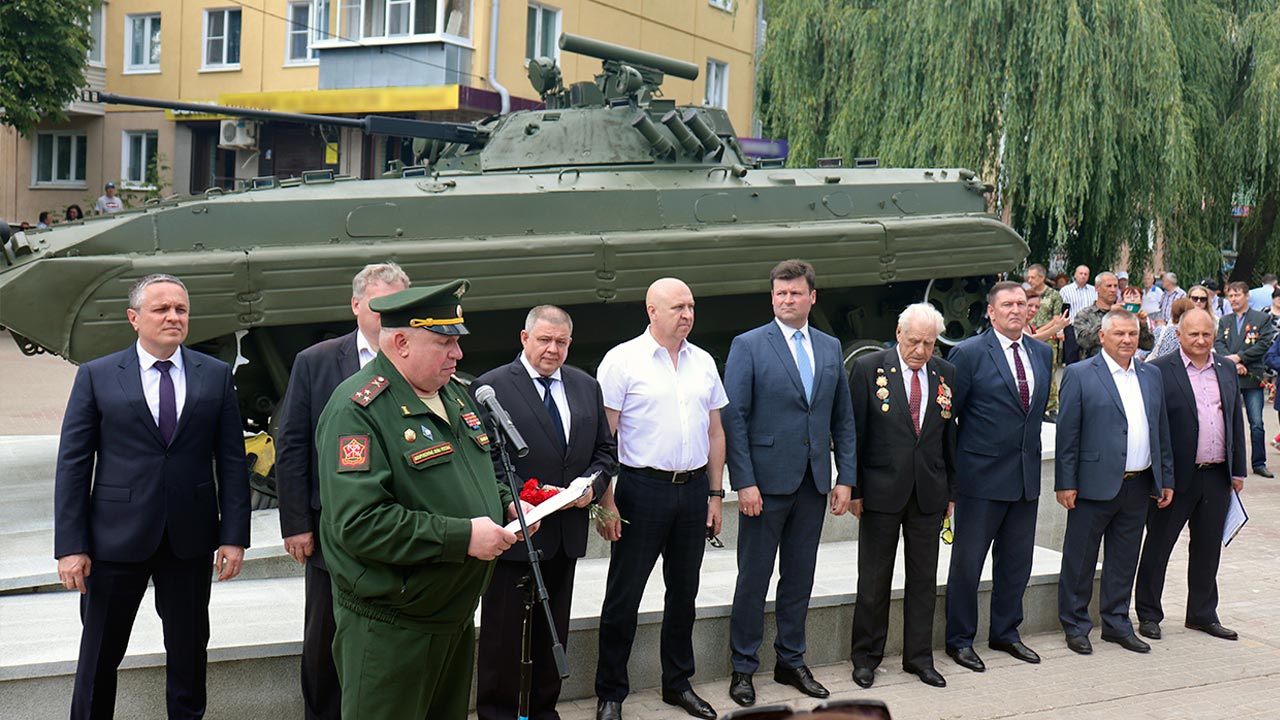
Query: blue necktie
point(168, 401)
point(553, 410)
point(802, 362)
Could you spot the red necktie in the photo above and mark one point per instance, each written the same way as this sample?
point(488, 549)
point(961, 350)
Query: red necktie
point(915, 401)
point(1023, 391)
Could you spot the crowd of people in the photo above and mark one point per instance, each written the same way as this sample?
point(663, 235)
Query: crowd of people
point(394, 497)
point(107, 203)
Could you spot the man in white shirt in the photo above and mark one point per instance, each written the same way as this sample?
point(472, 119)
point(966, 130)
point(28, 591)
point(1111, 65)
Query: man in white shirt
point(108, 202)
point(663, 396)
point(316, 372)
point(1078, 295)
point(1108, 462)
point(1260, 297)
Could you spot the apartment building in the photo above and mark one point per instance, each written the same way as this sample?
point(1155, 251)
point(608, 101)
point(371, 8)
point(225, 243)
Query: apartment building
point(426, 59)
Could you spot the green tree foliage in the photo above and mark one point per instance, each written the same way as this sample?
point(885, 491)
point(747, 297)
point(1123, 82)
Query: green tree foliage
point(42, 53)
point(1099, 120)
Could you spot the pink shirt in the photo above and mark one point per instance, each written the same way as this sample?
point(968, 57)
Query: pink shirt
point(1211, 445)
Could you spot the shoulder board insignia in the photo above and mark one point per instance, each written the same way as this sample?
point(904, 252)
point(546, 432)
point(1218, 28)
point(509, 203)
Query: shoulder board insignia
point(366, 394)
point(435, 451)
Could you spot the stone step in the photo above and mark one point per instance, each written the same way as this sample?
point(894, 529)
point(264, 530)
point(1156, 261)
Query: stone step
point(257, 630)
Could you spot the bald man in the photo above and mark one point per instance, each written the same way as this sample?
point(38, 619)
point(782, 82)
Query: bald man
point(672, 453)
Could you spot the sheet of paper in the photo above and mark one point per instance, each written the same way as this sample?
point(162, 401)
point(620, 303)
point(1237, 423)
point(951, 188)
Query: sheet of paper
point(1236, 518)
point(560, 500)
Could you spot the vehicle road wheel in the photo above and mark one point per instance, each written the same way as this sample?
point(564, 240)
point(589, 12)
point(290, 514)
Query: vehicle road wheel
point(963, 304)
point(855, 349)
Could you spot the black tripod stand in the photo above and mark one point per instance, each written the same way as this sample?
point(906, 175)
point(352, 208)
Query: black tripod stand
point(535, 591)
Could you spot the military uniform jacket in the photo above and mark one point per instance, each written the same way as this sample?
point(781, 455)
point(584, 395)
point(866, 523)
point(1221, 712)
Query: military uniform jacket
point(1088, 321)
point(399, 487)
point(1249, 340)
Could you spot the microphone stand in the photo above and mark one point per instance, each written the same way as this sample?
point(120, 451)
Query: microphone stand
point(535, 590)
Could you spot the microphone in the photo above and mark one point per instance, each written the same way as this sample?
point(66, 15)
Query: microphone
point(488, 398)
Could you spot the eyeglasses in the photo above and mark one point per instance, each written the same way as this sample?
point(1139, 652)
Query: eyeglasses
point(1199, 298)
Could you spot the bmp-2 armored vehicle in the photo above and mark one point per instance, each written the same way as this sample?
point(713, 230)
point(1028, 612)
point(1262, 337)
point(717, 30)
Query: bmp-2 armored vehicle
point(581, 204)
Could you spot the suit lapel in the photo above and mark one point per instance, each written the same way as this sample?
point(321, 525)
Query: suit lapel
point(783, 352)
point(1104, 376)
point(194, 371)
point(533, 401)
point(1002, 365)
point(819, 351)
point(131, 383)
point(928, 406)
point(349, 355)
point(899, 403)
point(1183, 381)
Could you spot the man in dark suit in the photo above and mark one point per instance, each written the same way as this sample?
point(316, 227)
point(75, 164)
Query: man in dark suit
point(788, 409)
point(316, 372)
point(902, 405)
point(559, 411)
point(1002, 387)
point(1203, 403)
point(1243, 338)
point(151, 481)
point(1113, 451)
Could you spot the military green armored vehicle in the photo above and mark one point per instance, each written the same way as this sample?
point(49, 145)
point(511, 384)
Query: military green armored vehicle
point(581, 204)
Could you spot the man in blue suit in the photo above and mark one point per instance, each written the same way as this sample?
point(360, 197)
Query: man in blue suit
point(1113, 451)
point(789, 407)
point(1002, 385)
point(151, 481)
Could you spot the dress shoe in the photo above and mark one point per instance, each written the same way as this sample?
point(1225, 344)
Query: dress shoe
point(609, 710)
point(690, 703)
point(928, 676)
point(1079, 644)
point(1018, 650)
point(1149, 629)
point(1216, 630)
point(965, 657)
point(864, 676)
point(1263, 471)
point(1128, 642)
point(801, 679)
point(741, 690)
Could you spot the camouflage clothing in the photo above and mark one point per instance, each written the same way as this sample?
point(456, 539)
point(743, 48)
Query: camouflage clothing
point(1088, 322)
point(1050, 306)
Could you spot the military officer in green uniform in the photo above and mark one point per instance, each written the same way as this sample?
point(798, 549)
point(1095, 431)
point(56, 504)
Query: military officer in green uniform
point(412, 513)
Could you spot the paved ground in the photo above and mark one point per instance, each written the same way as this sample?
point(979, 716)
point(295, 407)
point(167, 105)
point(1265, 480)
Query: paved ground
point(1188, 675)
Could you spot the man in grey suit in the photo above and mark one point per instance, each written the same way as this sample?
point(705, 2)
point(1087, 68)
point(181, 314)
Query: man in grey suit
point(1243, 338)
point(1113, 451)
point(788, 408)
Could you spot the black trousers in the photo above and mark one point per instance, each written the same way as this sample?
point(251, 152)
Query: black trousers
point(664, 520)
point(1204, 505)
point(321, 693)
point(789, 528)
point(501, 631)
point(1118, 522)
point(108, 609)
point(1070, 347)
point(877, 546)
point(1008, 530)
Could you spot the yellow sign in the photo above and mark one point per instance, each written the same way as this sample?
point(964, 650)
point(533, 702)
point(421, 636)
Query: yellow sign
point(362, 101)
point(331, 153)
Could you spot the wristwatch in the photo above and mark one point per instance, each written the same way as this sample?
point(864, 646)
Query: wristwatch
point(715, 493)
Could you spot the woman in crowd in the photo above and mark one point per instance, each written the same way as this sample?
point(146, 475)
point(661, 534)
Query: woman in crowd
point(74, 213)
point(1166, 340)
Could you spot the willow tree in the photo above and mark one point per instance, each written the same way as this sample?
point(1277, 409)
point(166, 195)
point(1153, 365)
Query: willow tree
point(1100, 122)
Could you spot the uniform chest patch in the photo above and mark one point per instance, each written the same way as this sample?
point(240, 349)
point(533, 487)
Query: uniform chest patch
point(482, 439)
point(420, 456)
point(353, 453)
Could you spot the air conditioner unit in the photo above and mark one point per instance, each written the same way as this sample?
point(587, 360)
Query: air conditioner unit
point(238, 135)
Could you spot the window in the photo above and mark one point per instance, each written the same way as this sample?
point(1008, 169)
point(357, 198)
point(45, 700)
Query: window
point(221, 38)
point(97, 35)
point(138, 166)
point(59, 158)
point(717, 84)
point(304, 29)
point(726, 5)
point(542, 33)
point(142, 49)
point(374, 19)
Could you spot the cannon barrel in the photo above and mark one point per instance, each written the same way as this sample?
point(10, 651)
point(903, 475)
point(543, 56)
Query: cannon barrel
point(608, 51)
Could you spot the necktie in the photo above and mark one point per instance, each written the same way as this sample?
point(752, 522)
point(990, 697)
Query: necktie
point(552, 409)
point(168, 401)
point(1023, 391)
point(802, 363)
point(915, 401)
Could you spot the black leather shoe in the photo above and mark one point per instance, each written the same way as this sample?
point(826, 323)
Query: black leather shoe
point(1018, 650)
point(1128, 642)
point(864, 676)
point(1149, 629)
point(801, 679)
point(1216, 630)
point(966, 658)
point(1263, 471)
point(741, 690)
point(609, 710)
point(928, 676)
point(1079, 644)
point(690, 703)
